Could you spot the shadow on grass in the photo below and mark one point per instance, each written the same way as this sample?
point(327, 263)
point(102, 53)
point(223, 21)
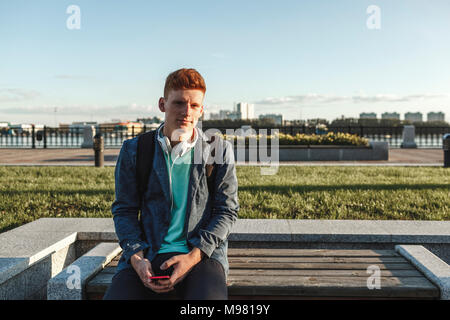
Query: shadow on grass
point(87, 158)
point(60, 192)
point(270, 188)
point(353, 187)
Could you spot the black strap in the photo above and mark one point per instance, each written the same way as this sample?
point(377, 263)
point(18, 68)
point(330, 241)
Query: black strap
point(211, 169)
point(144, 162)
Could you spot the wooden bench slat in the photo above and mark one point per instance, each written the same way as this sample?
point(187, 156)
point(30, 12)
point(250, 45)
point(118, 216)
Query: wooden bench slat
point(236, 252)
point(113, 263)
point(374, 260)
point(309, 286)
point(319, 273)
point(329, 266)
point(100, 282)
point(309, 273)
point(330, 286)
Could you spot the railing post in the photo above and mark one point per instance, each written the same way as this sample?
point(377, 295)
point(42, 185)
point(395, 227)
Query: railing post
point(45, 137)
point(33, 138)
point(408, 137)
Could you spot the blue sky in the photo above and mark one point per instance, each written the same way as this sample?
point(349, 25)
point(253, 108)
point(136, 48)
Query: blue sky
point(303, 59)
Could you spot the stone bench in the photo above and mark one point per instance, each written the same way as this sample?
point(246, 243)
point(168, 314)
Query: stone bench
point(310, 273)
point(33, 254)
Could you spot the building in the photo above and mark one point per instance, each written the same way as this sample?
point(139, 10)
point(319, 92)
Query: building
point(413, 116)
point(316, 121)
point(245, 110)
point(214, 116)
point(277, 118)
point(78, 127)
point(234, 115)
point(368, 115)
point(146, 121)
point(435, 116)
point(224, 114)
point(126, 127)
point(19, 128)
point(391, 115)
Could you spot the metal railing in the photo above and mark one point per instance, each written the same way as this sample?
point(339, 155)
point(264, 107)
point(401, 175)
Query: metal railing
point(48, 137)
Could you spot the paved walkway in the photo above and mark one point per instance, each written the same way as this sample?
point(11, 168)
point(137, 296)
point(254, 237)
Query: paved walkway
point(85, 157)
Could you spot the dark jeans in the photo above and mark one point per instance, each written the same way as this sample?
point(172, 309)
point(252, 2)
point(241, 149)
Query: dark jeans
point(206, 281)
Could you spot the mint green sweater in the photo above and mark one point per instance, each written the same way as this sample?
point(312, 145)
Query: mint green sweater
point(179, 174)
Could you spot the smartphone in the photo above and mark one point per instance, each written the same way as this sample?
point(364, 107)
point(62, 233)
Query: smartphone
point(159, 277)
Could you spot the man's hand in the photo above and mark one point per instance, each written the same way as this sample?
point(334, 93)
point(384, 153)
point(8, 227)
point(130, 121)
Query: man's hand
point(143, 268)
point(182, 264)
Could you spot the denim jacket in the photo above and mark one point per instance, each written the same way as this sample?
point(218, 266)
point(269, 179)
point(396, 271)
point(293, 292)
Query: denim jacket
point(208, 220)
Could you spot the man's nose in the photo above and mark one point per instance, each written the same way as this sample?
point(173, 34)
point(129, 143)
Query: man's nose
point(186, 108)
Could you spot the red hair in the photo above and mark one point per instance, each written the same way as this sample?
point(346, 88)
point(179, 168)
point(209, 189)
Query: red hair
point(184, 79)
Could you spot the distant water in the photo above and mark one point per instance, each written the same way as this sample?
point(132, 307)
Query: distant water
point(430, 141)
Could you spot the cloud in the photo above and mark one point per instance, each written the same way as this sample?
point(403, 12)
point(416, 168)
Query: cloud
point(396, 98)
point(17, 94)
point(72, 77)
point(360, 98)
point(130, 109)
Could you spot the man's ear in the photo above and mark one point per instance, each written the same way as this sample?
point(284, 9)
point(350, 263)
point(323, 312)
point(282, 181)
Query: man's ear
point(161, 104)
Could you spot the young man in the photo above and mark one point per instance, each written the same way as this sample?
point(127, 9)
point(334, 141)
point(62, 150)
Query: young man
point(183, 227)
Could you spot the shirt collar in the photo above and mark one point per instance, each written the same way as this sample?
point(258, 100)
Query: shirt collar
point(190, 142)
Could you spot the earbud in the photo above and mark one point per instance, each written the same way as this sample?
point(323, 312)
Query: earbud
point(180, 148)
point(167, 144)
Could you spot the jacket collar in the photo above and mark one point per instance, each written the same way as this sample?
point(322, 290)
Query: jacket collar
point(199, 160)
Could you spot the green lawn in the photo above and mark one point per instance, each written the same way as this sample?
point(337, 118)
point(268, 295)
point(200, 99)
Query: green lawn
point(412, 193)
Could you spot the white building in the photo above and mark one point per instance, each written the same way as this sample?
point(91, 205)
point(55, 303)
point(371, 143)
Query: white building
point(368, 115)
point(21, 127)
point(246, 110)
point(78, 127)
point(214, 116)
point(413, 116)
point(224, 114)
point(391, 115)
point(435, 116)
point(277, 118)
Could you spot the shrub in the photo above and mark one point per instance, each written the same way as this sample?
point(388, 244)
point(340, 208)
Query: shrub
point(330, 138)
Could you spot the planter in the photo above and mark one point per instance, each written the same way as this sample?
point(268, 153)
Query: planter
point(378, 150)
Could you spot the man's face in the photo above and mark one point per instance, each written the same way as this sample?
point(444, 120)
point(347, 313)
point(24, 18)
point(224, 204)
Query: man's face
point(183, 108)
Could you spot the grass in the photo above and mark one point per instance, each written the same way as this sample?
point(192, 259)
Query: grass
point(393, 193)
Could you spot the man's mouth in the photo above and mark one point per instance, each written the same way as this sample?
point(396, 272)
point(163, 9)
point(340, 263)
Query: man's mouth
point(184, 121)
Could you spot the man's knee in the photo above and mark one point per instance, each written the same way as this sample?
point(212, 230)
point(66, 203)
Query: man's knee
point(206, 282)
point(125, 285)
